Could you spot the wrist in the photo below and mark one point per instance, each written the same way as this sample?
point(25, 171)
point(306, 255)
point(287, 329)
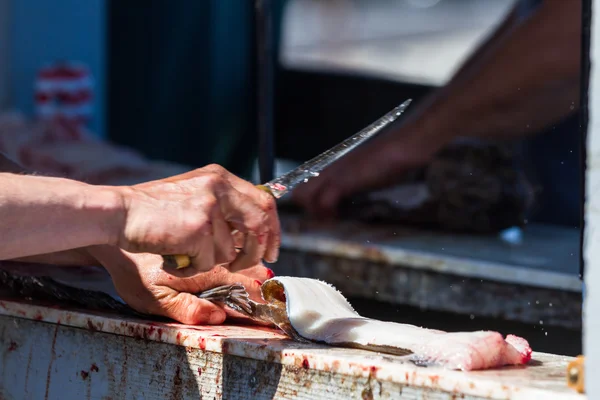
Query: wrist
point(109, 204)
point(113, 259)
point(433, 125)
point(417, 142)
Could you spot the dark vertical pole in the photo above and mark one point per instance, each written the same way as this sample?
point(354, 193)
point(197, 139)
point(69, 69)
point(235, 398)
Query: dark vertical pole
point(263, 39)
point(586, 8)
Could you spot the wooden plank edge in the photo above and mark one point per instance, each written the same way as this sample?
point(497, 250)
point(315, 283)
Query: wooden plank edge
point(266, 344)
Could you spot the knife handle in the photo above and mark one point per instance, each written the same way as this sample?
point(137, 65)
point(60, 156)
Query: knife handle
point(179, 261)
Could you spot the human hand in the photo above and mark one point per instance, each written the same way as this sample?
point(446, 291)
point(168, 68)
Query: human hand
point(195, 213)
point(145, 286)
point(376, 164)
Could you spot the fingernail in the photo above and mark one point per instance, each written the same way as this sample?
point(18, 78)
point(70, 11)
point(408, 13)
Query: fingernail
point(270, 273)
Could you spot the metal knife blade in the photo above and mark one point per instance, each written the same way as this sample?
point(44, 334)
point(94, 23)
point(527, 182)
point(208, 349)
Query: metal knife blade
point(278, 187)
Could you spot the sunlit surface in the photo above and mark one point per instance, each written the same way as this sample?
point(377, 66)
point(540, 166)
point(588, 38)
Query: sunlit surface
point(419, 41)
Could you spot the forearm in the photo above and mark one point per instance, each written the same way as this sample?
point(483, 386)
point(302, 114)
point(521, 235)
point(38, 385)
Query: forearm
point(68, 257)
point(524, 79)
point(43, 215)
point(74, 257)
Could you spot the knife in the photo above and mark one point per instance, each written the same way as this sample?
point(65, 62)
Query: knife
point(282, 185)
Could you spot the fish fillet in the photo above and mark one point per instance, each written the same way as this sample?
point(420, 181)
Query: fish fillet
point(318, 312)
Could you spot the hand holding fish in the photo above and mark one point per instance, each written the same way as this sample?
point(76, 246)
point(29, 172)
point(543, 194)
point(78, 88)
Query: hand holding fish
point(141, 281)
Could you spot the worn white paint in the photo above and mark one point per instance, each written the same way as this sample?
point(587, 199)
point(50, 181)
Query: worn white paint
point(46, 349)
point(4, 53)
point(592, 219)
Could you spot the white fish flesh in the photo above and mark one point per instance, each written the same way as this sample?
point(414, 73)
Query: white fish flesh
point(318, 312)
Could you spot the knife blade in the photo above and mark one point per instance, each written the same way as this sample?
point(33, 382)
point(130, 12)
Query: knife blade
point(285, 183)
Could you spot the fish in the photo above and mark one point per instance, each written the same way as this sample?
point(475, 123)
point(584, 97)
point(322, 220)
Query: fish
point(314, 311)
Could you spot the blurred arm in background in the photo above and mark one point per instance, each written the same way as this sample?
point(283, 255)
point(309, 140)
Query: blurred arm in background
point(521, 80)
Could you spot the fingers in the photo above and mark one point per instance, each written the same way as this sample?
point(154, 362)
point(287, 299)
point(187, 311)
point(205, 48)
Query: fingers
point(265, 202)
point(258, 272)
point(203, 258)
point(242, 213)
point(254, 227)
point(250, 253)
point(274, 238)
point(203, 206)
point(189, 309)
point(223, 239)
point(238, 239)
point(251, 278)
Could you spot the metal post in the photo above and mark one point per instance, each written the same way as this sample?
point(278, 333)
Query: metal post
point(584, 112)
point(263, 37)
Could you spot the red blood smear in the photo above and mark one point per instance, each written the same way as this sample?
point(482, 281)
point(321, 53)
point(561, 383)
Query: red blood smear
point(202, 343)
point(278, 186)
point(94, 368)
point(90, 325)
point(12, 347)
point(84, 374)
point(259, 283)
point(270, 273)
point(199, 371)
point(305, 364)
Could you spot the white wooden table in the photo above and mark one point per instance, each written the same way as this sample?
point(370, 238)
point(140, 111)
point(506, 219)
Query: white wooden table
point(53, 353)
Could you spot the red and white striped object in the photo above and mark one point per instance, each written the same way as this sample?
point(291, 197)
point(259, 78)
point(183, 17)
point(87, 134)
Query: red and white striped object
point(64, 91)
